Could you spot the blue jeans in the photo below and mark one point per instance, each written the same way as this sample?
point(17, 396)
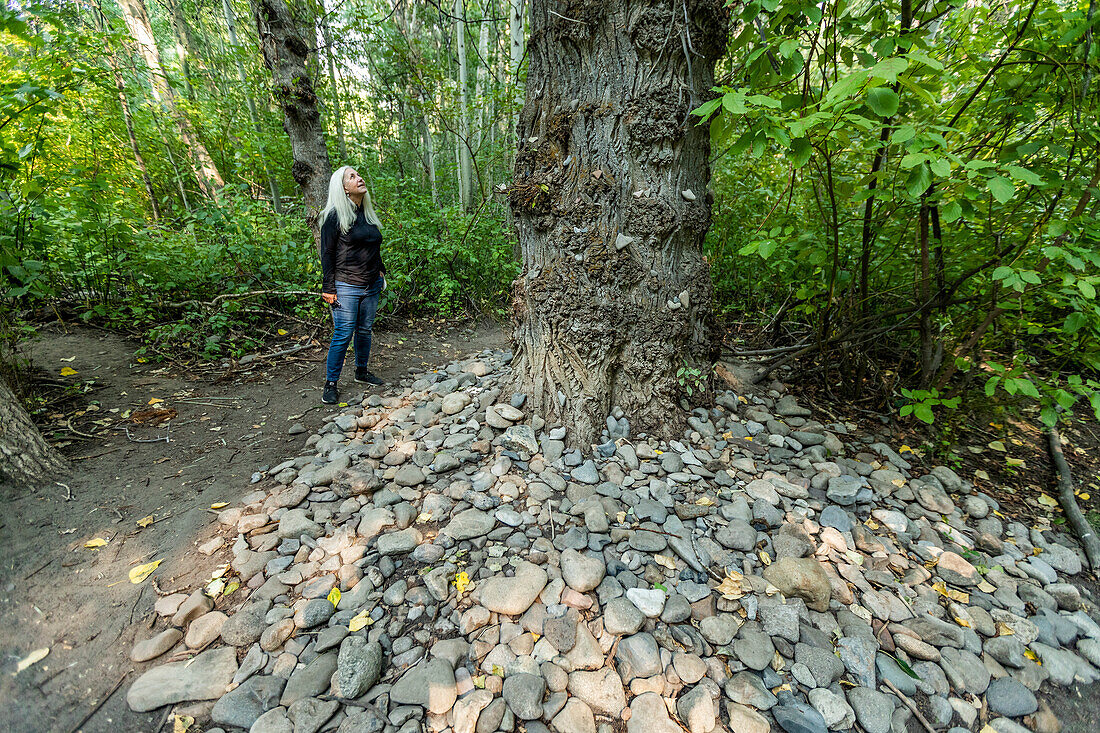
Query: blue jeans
point(353, 315)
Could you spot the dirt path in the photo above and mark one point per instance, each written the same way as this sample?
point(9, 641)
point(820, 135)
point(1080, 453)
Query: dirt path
point(79, 602)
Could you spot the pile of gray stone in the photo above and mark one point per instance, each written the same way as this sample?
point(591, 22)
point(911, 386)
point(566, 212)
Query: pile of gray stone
point(438, 559)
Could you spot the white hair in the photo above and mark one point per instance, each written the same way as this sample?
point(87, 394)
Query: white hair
point(340, 202)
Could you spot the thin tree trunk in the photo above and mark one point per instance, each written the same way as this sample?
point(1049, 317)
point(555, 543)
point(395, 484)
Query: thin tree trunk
point(337, 117)
point(465, 173)
point(26, 459)
point(614, 297)
point(137, 21)
point(185, 44)
point(480, 77)
point(516, 46)
point(285, 55)
point(272, 184)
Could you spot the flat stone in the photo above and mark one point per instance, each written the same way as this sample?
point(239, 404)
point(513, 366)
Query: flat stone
point(802, 578)
point(470, 524)
point(246, 625)
point(602, 690)
point(513, 596)
point(873, 709)
point(746, 720)
point(523, 693)
point(835, 710)
point(620, 616)
point(358, 667)
point(247, 702)
point(581, 572)
point(203, 678)
point(1009, 697)
point(575, 717)
point(430, 684)
point(310, 714)
point(648, 714)
point(204, 629)
point(754, 649)
point(310, 680)
point(650, 601)
point(399, 543)
point(153, 647)
point(957, 571)
point(747, 688)
point(638, 656)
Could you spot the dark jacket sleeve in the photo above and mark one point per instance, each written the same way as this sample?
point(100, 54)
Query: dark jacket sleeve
point(330, 239)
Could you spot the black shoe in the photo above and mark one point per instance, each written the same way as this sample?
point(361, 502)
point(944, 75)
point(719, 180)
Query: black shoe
point(331, 395)
point(365, 377)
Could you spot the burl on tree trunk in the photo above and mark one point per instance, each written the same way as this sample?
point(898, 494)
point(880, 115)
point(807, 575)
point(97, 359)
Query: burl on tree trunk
point(26, 459)
point(611, 204)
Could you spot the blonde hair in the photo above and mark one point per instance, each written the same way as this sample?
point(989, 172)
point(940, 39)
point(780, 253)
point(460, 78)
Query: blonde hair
point(340, 202)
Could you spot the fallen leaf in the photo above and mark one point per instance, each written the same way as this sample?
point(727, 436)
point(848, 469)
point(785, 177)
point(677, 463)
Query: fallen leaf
point(1046, 500)
point(424, 517)
point(334, 596)
point(154, 401)
point(214, 588)
point(705, 501)
point(765, 558)
point(730, 587)
point(181, 723)
point(955, 595)
point(145, 521)
point(777, 662)
point(479, 682)
point(980, 474)
point(665, 561)
point(67, 371)
point(219, 505)
point(141, 572)
point(36, 656)
point(1016, 462)
point(1004, 629)
point(282, 332)
point(905, 449)
point(998, 446)
point(360, 620)
point(97, 542)
point(219, 571)
point(1083, 497)
point(498, 670)
point(1033, 657)
point(229, 589)
point(70, 360)
point(962, 622)
point(986, 587)
point(871, 524)
point(462, 582)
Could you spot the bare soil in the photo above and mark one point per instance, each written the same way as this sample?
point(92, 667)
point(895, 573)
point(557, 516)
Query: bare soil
point(130, 464)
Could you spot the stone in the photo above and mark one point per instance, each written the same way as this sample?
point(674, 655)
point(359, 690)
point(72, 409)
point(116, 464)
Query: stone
point(638, 656)
point(399, 543)
point(719, 629)
point(313, 613)
point(310, 680)
point(690, 668)
point(621, 616)
point(467, 709)
point(409, 474)
point(873, 709)
point(153, 647)
point(737, 535)
point(825, 666)
point(747, 688)
point(1009, 697)
point(273, 721)
point(836, 711)
point(798, 717)
point(310, 714)
point(196, 605)
point(246, 625)
point(247, 702)
point(430, 684)
point(648, 714)
point(204, 629)
point(203, 678)
point(358, 667)
point(802, 578)
point(650, 601)
point(523, 693)
point(957, 571)
point(697, 710)
point(858, 655)
point(746, 720)
point(602, 690)
point(575, 717)
point(470, 524)
point(581, 572)
point(754, 649)
point(512, 596)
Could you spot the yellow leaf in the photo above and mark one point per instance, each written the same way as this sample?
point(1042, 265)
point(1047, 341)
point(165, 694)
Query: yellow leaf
point(705, 501)
point(214, 587)
point(665, 561)
point(782, 688)
point(1033, 657)
point(986, 587)
point(141, 572)
point(479, 682)
point(765, 558)
point(67, 371)
point(962, 622)
point(955, 595)
point(998, 446)
point(219, 571)
point(1046, 500)
point(1017, 462)
point(462, 582)
point(871, 524)
point(334, 596)
point(899, 482)
point(1004, 629)
point(498, 670)
point(181, 723)
point(730, 587)
point(145, 521)
point(230, 588)
point(219, 505)
point(36, 656)
point(281, 332)
point(748, 438)
point(154, 401)
point(97, 542)
point(360, 620)
point(777, 662)
point(980, 474)
point(1083, 497)
point(998, 514)
point(620, 517)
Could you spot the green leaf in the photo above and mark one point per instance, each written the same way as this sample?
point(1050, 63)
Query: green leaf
point(1086, 289)
point(923, 411)
point(1028, 388)
point(706, 109)
point(1074, 322)
point(1001, 188)
point(951, 211)
point(920, 178)
point(800, 151)
point(888, 69)
point(1049, 416)
point(941, 167)
point(883, 101)
point(1003, 272)
point(991, 386)
point(926, 60)
point(1023, 174)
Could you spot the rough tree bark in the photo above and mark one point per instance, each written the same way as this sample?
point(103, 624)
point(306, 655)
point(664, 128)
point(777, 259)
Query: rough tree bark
point(611, 205)
point(285, 55)
point(26, 459)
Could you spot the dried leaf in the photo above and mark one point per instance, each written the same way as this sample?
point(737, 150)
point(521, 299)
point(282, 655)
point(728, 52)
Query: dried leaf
point(479, 682)
point(998, 446)
point(665, 561)
point(181, 723)
point(620, 517)
point(219, 571)
point(67, 371)
point(980, 474)
point(462, 582)
point(219, 505)
point(145, 521)
point(955, 595)
point(360, 620)
point(730, 587)
point(282, 332)
point(781, 688)
point(36, 656)
point(962, 622)
point(986, 587)
point(1046, 500)
point(871, 524)
point(334, 596)
point(705, 501)
point(424, 517)
point(214, 588)
point(1004, 629)
point(905, 449)
point(498, 670)
point(1017, 462)
point(1033, 657)
point(97, 542)
point(141, 572)
point(229, 589)
point(777, 662)
point(154, 401)
point(765, 558)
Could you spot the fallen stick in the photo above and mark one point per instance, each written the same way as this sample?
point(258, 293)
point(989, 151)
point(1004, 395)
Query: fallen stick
point(1085, 533)
point(99, 704)
point(910, 704)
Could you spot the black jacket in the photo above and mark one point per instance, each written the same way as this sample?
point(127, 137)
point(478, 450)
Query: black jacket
point(354, 256)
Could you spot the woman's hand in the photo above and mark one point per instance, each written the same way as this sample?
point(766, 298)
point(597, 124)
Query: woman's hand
point(329, 298)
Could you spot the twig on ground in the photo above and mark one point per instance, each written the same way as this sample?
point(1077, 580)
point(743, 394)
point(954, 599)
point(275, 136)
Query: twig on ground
point(165, 439)
point(94, 455)
point(1085, 532)
point(99, 704)
point(68, 492)
point(910, 704)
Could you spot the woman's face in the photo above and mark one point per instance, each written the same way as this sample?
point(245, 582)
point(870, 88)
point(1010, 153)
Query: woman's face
point(353, 182)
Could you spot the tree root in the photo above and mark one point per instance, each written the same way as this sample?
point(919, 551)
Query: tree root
point(1085, 532)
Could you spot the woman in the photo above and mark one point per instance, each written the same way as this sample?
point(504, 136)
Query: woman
point(353, 275)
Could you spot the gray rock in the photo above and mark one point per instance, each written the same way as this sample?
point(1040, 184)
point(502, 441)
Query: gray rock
point(399, 543)
point(601, 690)
point(835, 710)
point(825, 666)
point(523, 693)
point(746, 688)
point(696, 708)
point(513, 596)
point(1009, 697)
point(803, 578)
point(246, 626)
point(622, 617)
point(835, 517)
point(737, 535)
point(203, 678)
point(430, 684)
point(798, 717)
point(638, 656)
point(243, 705)
point(873, 709)
point(310, 680)
point(359, 666)
point(858, 655)
point(310, 714)
point(313, 613)
point(582, 572)
point(470, 524)
point(754, 649)
point(649, 601)
point(153, 647)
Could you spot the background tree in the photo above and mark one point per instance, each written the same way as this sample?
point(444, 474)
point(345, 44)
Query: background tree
point(611, 203)
point(26, 459)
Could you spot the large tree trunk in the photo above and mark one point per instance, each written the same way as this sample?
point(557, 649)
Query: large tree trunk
point(465, 165)
point(137, 21)
point(285, 54)
point(611, 205)
point(26, 459)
